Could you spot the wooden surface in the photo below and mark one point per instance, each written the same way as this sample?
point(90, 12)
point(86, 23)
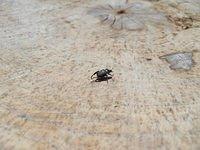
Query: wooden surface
point(50, 48)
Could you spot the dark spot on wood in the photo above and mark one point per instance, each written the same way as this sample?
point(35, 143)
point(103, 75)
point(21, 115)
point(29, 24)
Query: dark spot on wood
point(171, 110)
point(148, 59)
point(158, 111)
point(122, 11)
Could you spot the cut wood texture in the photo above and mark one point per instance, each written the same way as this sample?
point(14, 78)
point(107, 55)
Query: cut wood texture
point(50, 48)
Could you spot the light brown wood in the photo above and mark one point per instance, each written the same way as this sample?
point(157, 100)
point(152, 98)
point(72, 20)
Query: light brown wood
point(50, 48)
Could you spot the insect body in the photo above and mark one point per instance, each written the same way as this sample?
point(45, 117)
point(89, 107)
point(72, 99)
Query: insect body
point(102, 75)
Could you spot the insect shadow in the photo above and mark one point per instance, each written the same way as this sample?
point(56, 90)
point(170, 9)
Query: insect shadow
point(102, 79)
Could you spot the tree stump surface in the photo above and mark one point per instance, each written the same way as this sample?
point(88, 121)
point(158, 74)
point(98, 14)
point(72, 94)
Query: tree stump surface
point(50, 48)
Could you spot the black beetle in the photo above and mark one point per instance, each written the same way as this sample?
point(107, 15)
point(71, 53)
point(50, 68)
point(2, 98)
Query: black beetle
point(102, 75)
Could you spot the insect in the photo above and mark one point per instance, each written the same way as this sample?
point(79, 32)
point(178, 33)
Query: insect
point(102, 75)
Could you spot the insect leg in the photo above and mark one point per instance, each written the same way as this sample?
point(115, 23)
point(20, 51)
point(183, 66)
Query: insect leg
point(94, 74)
point(110, 74)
